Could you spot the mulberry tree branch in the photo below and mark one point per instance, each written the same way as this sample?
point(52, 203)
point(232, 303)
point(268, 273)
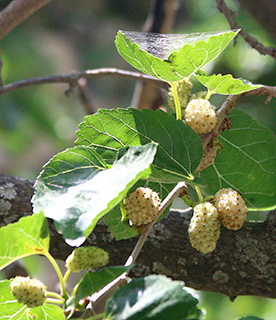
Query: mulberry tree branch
point(72, 78)
point(242, 264)
point(253, 42)
point(17, 12)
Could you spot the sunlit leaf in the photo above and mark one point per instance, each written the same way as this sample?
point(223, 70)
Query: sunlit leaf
point(226, 84)
point(177, 63)
point(28, 236)
point(77, 203)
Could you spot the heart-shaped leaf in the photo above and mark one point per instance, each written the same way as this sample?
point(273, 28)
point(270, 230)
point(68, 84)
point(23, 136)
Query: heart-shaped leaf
point(177, 64)
point(28, 236)
point(226, 84)
point(179, 147)
point(247, 162)
point(77, 193)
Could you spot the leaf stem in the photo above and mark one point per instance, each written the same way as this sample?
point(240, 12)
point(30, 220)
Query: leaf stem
point(199, 194)
point(176, 101)
point(65, 277)
point(57, 269)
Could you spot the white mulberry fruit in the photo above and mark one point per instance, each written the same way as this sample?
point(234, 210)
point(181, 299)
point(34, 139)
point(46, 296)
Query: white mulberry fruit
point(231, 208)
point(31, 292)
point(200, 116)
point(204, 228)
point(86, 258)
point(142, 206)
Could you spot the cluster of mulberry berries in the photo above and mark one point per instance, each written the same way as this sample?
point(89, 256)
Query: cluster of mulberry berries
point(142, 206)
point(229, 209)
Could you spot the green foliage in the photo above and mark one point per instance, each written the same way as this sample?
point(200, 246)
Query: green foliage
point(28, 236)
point(179, 147)
point(153, 297)
point(76, 207)
point(179, 64)
point(12, 310)
point(246, 163)
point(94, 281)
point(226, 84)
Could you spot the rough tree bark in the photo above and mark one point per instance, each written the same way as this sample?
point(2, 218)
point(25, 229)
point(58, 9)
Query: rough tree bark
point(244, 262)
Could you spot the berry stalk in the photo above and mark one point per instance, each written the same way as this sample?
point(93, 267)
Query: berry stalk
point(176, 101)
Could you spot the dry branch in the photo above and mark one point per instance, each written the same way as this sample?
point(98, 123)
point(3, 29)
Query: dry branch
point(72, 78)
point(17, 12)
point(253, 42)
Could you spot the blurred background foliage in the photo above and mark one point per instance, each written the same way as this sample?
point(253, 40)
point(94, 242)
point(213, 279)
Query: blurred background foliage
point(37, 122)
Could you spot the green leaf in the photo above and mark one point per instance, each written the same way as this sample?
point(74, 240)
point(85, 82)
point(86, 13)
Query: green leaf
point(76, 208)
point(153, 297)
point(10, 309)
point(247, 162)
point(122, 230)
point(94, 281)
point(226, 84)
point(28, 236)
point(176, 65)
point(179, 148)
point(251, 318)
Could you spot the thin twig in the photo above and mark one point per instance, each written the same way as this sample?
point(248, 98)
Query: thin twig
point(180, 188)
point(73, 77)
point(253, 42)
point(99, 298)
point(16, 12)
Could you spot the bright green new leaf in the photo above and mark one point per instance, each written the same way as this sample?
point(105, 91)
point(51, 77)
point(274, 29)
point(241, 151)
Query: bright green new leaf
point(226, 84)
point(10, 309)
point(28, 236)
point(178, 61)
point(77, 192)
point(122, 230)
point(179, 148)
point(246, 163)
point(94, 281)
point(153, 297)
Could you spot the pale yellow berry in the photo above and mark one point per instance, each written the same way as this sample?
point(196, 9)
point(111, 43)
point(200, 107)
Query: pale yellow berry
point(204, 228)
point(142, 206)
point(231, 208)
point(200, 116)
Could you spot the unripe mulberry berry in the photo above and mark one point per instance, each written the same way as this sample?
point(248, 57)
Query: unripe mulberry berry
point(204, 228)
point(142, 206)
point(231, 208)
point(86, 258)
point(184, 88)
point(200, 116)
point(31, 292)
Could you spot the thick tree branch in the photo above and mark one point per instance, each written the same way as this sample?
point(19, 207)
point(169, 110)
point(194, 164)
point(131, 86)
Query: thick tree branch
point(254, 43)
point(17, 12)
point(244, 262)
